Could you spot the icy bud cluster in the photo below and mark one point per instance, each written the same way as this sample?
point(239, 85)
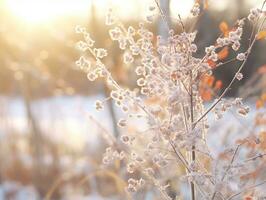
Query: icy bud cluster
point(195, 11)
point(166, 101)
point(151, 13)
point(233, 37)
point(134, 184)
point(110, 155)
point(254, 14)
point(227, 104)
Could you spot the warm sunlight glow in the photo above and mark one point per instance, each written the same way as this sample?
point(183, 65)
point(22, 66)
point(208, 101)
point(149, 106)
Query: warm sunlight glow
point(41, 11)
point(38, 11)
point(181, 7)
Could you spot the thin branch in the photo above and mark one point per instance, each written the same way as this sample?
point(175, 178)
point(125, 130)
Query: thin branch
point(193, 153)
point(232, 81)
point(162, 15)
point(247, 188)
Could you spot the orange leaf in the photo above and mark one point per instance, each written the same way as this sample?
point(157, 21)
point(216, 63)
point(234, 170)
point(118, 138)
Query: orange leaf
point(218, 85)
point(210, 80)
point(251, 175)
point(248, 198)
point(211, 63)
point(259, 104)
point(224, 28)
point(262, 69)
point(261, 35)
point(223, 53)
point(206, 95)
point(263, 97)
point(224, 156)
point(206, 4)
point(262, 137)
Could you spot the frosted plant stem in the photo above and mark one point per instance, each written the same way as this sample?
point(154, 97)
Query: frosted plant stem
point(231, 83)
point(228, 168)
point(248, 188)
point(193, 153)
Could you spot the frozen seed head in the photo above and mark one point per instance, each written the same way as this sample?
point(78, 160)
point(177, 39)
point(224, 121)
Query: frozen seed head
point(193, 48)
point(145, 91)
point(149, 18)
point(80, 29)
point(100, 53)
point(128, 58)
point(195, 11)
point(140, 70)
point(82, 46)
point(109, 18)
point(131, 167)
point(141, 82)
point(254, 14)
point(88, 39)
point(149, 171)
point(83, 64)
point(125, 108)
point(236, 46)
point(152, 8)
point(115, 33)
point(241, 56)
point(131, 31)
point(114, 94)
point(122, 43)
point(134, 185)
point(209, 49)
point(99, 105)
point(134, 49)
point(239, 76)
point(106, 160)
point(122, 123)
point(92, 76)
point(243, 110)
point(122, 155)
point(126, 139)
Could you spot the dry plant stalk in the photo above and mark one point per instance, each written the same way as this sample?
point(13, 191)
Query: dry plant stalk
point(170, 108)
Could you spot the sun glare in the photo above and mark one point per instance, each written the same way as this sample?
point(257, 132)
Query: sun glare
point(42, 11)
point(39, 11)
point(181, 7)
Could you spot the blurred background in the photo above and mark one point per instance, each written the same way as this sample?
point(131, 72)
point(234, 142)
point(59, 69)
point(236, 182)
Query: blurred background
point(51, 141)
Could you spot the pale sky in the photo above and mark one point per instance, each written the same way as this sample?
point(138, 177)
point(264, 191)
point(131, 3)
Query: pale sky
point(43, 11)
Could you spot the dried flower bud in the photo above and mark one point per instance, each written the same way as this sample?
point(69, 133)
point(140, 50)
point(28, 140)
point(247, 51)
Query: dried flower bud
point(131, 167)
point(152, 8)
point(80, 29)
point(92, 76)
point(141, 82)
point(122, 123)
point(241, 56)
point(88, 39)
point(149, 18)
point(128, 58)
point(109, 18)
point(82, 46)
point(115, 33)
point(239, 76)
point(243, 110)
point(100, 53)
point(98, 105)
point(195, 11)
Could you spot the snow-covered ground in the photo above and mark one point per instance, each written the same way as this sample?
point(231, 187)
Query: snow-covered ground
point(68, 119)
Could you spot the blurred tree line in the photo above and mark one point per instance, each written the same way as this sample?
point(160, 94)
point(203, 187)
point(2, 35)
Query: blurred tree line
point(43, 57)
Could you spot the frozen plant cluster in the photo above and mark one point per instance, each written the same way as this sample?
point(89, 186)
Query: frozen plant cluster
point(169, 102)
